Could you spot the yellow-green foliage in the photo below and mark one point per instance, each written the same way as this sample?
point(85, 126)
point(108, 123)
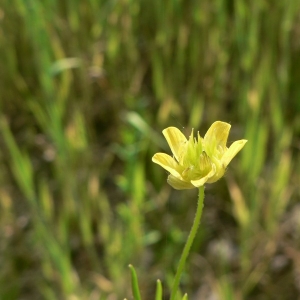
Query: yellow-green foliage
point(86, 88)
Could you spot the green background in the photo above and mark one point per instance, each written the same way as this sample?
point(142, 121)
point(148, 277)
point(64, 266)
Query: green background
point(86, 87)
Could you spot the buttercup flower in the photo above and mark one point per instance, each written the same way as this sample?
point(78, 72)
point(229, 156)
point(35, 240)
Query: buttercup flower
point(197, 161)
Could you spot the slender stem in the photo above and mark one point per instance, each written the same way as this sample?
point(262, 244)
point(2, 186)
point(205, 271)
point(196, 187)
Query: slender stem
point(188, 244)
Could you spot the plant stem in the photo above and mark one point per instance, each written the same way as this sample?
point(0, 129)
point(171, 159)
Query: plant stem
point(188, 244)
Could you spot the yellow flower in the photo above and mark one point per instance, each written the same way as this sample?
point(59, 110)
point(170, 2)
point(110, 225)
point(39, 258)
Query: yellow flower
point(197, 161)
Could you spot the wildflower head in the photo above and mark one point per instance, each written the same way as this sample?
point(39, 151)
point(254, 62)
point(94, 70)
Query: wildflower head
point(197, 160)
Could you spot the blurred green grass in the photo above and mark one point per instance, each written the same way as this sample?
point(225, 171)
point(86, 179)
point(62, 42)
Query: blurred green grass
point(87, 87)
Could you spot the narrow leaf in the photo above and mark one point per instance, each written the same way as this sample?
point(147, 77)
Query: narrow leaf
point(158, 294)
point(185, 297)
point(134, 284)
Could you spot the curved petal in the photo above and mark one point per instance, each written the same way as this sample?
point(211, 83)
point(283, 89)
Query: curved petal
point(217, 134)
point(167, 162)
point(178, 184)
point(201, 181)
point(232, 152)
point(204, 162)
point(218, 174)
point(176, 140)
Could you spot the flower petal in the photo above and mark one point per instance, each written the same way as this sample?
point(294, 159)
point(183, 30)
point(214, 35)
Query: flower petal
point(204, 163)
point(217, 133)
point(178, 184)
point(167, 162)
point(176, 140)
point(232, 152)
point(201, 181)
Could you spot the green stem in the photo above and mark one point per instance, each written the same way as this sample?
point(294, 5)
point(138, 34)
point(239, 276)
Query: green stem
point(189, 243)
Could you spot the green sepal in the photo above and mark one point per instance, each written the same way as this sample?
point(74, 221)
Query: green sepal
point(134, 284)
